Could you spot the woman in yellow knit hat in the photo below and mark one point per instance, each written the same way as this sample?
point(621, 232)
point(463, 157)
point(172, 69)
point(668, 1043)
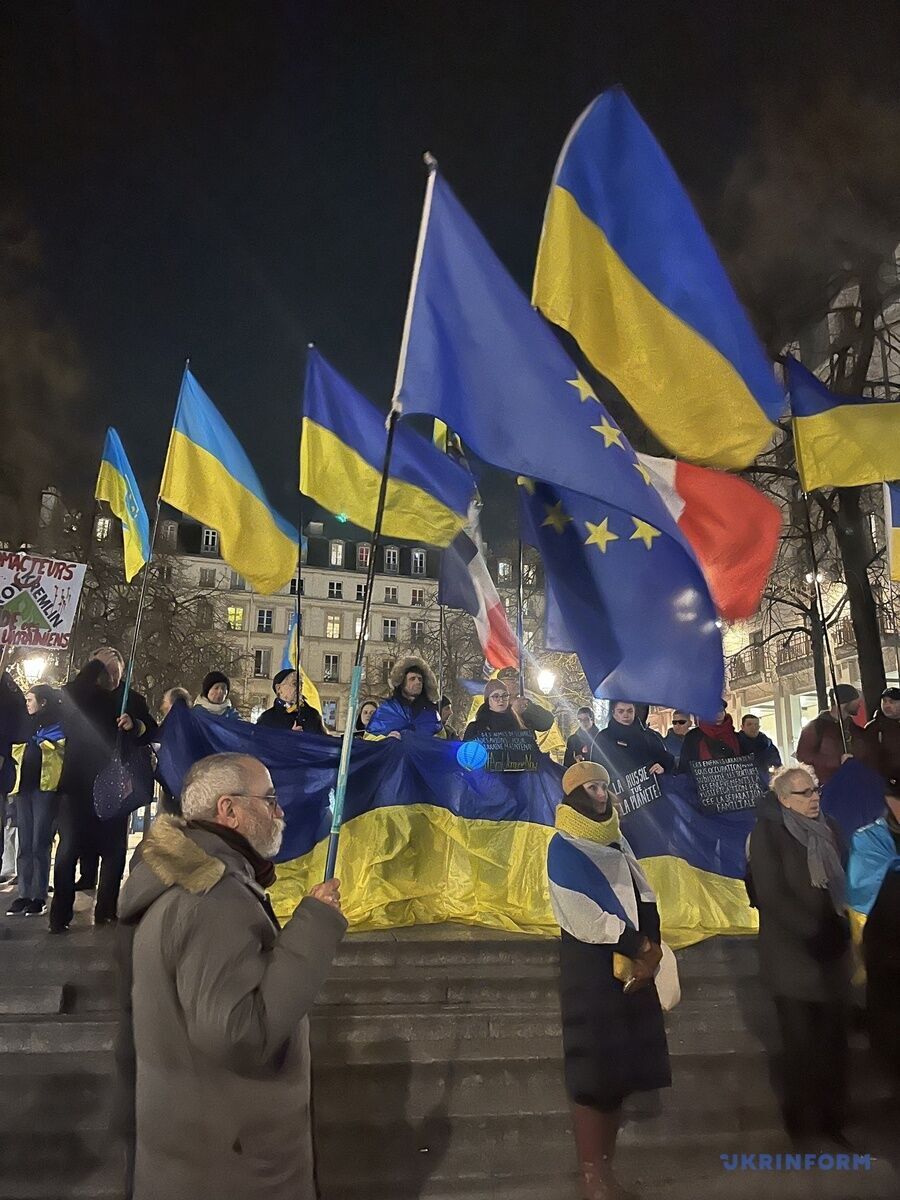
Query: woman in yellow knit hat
point(614, 1037)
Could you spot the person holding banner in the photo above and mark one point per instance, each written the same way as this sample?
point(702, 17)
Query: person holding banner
point(413, 706)
point(710, 741)
point(796, 868)
point(499, 714)
point(213, 697)
point(290, 710)
point(614, 1036)
point(626, 744)
point(824, 747)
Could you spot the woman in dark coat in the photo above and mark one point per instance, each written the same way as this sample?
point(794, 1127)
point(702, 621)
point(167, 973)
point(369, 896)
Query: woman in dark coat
point(626, 744)
point(290, 710)
point(363, 717)
point(614, 1036)
point(499, 714)
point(799, 886)
point(710, 741)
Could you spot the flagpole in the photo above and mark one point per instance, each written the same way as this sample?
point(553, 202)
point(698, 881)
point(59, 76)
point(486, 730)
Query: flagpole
point(821, 607)
point(520, 623)
point(440, 651)
point(340, 791)
point(310, 346)
point(89, 562)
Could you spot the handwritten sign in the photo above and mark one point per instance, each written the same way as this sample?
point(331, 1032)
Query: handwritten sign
point(634, 790)
point(514, 751)
point(727, 784)
point(38, 600)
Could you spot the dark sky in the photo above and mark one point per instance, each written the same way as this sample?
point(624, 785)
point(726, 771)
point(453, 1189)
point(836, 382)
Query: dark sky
point(232, 180)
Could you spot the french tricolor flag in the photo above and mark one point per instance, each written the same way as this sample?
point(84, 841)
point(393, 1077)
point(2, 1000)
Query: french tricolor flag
point(465, 583)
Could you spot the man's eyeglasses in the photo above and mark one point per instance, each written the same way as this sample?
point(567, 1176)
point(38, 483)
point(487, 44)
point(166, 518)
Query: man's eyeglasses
point(808, 793)
point(270, 798)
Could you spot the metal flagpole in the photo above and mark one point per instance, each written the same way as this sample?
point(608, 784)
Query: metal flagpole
point(440, 651)
point(340, 790)
point(821, 606)
point(310, 346)
point(520, 622)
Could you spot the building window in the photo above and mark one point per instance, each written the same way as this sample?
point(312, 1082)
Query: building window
point(335, 589)
point(418, 562)
point(417, 630)
point(264, 620)
point(235, 617)
point(336, 554)
point(504, 570)
point(418, 597)
point(329, 713)
point(238, 583)
point(390, 595)
point(332, 672)
point(391, 559)
point(102, 528)
point(166, 572)
point(389, 629)
point(387, 665)
point(210, 541)
point(169, 533)
point(208, 577)
point(332, 626)
point(363, 551)
point(293, 587)
point(262, 663)
point(204, 614)
point(361, 592)
point(358, 628)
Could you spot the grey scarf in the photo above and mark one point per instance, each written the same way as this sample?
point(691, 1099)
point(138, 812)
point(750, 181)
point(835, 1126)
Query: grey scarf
point(823, 860)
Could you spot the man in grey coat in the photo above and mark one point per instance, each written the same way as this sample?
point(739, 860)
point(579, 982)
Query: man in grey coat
point(219, 996)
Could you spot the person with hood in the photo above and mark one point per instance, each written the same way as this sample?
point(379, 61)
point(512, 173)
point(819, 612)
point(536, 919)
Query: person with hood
point(883, 732)
point(363, 717)
point(38, 755)
point(290, 709)
point(822, 745)
point(583, 745)
point(765, 753)
point(213, 696)
point(710, 740)
point(91, 705)
point(798, 882)
point(213, 1048)
point(626, 744)
point(499, 713)
point(413, 705)
point(873, 890)
point(614, 1036)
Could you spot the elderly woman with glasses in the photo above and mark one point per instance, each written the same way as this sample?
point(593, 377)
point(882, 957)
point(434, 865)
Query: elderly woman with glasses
point(499, 713)
point(796, 870)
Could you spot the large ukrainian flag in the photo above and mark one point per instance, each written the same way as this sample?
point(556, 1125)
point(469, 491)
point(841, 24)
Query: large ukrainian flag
point(208, 476)
point(841, 441)
point(341, 460)
point(117, 485)
point(626, 267)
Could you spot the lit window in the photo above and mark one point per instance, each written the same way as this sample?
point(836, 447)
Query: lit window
point(504, 570)
point(389, 629)
point(208, 577)
point(363, 550)
point(332, 672)
point(264, 620)
point(262, 663)
point(391, 559)
point(210, 541)
point(390, 595)
point(418, 562)
point(235, 617)
point(102, 528)
point(418, 597)
point(336, 556)
point(335, 590)
point(333, 627)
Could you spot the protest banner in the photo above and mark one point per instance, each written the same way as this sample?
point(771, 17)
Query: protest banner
point(727, 784)
point(634, 790)
point(38, 600)
point(513, 751)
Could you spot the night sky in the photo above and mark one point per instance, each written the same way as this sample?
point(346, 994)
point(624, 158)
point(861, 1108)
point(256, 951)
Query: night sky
point(231, 180)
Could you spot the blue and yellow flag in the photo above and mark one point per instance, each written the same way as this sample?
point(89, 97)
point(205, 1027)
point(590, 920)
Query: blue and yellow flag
point(341, 459)
point(117, 485)
point(892, 527)
point(208, 476)
point(841, 441)
point(625, 266)
point(290, 660)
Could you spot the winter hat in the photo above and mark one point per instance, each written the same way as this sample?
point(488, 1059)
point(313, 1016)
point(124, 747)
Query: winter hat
point(844, 693)
point(492, 685)
point(281, 677)
point(889, 693)
point(210, 681)
point(581, 773)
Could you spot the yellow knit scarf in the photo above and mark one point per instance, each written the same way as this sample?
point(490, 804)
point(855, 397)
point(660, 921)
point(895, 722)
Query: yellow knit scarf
point(575, 824)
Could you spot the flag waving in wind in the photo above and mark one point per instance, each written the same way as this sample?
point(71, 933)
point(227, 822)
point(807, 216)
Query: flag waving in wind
point(625, 266)
point(465, 583)
point(341, 459)
point(117, 485)
point(208, 476)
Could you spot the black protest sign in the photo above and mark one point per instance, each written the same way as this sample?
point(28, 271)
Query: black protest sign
point(513, 751)
point(727, 784)
point(634, 790)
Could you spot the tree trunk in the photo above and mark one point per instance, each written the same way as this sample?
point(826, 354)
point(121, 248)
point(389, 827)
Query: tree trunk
point(855, 544)
point(817, 641)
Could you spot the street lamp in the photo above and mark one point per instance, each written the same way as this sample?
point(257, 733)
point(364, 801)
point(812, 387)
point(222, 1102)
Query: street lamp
point(546, 681)
point(33, 669)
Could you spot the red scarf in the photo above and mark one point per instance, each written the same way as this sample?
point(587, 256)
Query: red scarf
point(724, 734)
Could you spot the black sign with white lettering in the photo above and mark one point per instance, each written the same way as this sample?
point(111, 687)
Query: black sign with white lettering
point(510, 751)
point(727, 784)
point(634, 790)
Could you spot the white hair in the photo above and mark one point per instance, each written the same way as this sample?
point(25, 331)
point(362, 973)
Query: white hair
point(208, 780)
point(781, 780)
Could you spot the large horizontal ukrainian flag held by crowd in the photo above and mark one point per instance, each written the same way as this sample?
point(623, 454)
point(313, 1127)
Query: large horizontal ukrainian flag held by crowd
point(841, 441)
point(117, 485)
point(209, 477)
point(626, 267)
point(342, 454)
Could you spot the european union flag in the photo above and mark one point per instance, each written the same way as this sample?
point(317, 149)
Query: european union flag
point(628, 597)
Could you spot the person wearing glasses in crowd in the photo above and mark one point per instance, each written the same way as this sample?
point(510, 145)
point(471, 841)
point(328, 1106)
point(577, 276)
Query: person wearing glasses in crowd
point(500, 713)
point(214, 1042)
point(674, 739)
point(799, 885)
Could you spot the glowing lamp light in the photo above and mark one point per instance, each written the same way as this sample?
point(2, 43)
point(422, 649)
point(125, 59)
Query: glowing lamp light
point(546, 681)
point(471, 756)
point(33, 669)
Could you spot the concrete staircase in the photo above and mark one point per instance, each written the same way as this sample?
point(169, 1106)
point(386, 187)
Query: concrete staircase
point(437, 1076)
